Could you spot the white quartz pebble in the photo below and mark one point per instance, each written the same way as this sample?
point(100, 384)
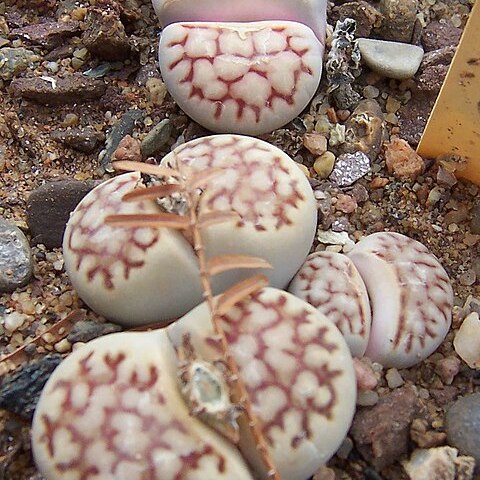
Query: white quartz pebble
point(248, 78)
point(467, 341)
point(391, 59)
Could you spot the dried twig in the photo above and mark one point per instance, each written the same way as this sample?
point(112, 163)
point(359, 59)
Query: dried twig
point(189, 185)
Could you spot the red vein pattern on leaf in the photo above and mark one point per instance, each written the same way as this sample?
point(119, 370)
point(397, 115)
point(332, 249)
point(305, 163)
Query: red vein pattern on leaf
point(258, 184)
point(323, 293)
point(282, 366)
point(91, 239)
point(105, 435)
point(256, 59)
point(429, 303)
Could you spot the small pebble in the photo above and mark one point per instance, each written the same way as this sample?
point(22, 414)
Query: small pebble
point(63, 346)
point(345, 448)
point(15, 258)
point(157, 91)
point(463, 425)
point(371, 92)
point(366, 378)
point(315, 143)
point(13, 321)
point(367, 398)
point(324, 164)
point(391, 59)
point(447, 369)
point(349, 168)
point(156, 138)
point(467, 340)
point(467, 278)
point(394, 379)
point(402, 160)
point(15, 60)
point(346, 203)
point(475, 221)
point(427, 464)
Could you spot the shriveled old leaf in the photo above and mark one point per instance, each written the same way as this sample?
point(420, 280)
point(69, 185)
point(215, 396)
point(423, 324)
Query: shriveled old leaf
point(59, 330)
point(206, 220)
point(151, 193)
point(153, 220)
point(200, 179)
point(239, 291)
point(141, 167)
point(222, 263)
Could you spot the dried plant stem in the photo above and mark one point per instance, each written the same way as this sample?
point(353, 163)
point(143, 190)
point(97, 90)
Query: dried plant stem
point(239, 395)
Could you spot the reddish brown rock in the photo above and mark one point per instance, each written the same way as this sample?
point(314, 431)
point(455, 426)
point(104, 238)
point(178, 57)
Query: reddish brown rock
point(399, 20)
point(439, 35)
point(105, 35)
point(402, 160)
point(48, 34)
point(382, 433)
point(56, 90)
point(413, 116)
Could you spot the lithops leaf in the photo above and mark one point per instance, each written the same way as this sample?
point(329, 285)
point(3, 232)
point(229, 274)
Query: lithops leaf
point(331, 283)
point(410, 295)
point(298, 373)
point(133, 275)
point(113, 410)
point(208, 219)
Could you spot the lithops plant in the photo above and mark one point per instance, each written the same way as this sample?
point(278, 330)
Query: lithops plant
point(331, 283)
point(242, 67)
point(130, 405)
point(309, 12)
point(248, 78)
point(141, 275)
point(390, 297)
point(410, 295)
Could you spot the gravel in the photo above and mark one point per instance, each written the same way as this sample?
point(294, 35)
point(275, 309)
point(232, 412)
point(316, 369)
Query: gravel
point(54, 121)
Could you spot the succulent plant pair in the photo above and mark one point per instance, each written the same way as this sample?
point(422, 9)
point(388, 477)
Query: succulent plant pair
point(253, 383)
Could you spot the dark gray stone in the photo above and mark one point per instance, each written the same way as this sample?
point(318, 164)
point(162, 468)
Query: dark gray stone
point(84, 140)
point(86, 330)
point(49, 208)
point(15, 60)
point(123, 127)
point(20, 391)
point(463, 425)
point(156, 138)
point(15, 258)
